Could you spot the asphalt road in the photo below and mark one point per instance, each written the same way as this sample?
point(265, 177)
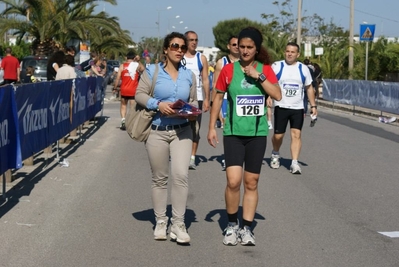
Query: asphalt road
point(98, 211)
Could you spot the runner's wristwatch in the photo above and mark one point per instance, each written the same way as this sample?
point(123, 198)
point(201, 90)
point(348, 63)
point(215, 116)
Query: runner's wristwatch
point(261, 78)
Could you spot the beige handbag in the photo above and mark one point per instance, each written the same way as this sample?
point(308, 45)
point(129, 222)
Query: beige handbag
point(139, 119)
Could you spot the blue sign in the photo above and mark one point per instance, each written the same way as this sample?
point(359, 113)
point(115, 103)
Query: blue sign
point(367, 32)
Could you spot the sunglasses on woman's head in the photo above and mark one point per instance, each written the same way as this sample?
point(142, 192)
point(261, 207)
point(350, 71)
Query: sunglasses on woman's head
point(175, 47)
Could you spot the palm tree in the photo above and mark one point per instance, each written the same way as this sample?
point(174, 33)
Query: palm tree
point(53, 22)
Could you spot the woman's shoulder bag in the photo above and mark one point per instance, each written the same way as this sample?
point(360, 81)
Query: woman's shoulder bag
point(139, 119)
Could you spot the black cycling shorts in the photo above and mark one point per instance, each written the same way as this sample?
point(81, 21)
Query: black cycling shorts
point(243, 150)
point(283, 115)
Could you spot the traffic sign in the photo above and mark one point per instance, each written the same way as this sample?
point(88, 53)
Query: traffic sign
point(367, 32)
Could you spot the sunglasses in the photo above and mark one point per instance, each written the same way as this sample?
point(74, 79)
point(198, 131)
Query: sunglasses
point(175, 47)
point(193, 40)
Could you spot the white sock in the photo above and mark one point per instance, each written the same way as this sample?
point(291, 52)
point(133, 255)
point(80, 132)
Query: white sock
point(294, 162)
point(275, 152)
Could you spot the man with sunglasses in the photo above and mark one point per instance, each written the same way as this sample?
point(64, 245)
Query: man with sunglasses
point(198, 64)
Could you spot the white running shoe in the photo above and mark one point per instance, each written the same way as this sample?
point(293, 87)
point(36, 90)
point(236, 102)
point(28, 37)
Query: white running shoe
point(160, 230)
point(231, 235)
point(178, 233)
point(275, 161)
point(295, 169)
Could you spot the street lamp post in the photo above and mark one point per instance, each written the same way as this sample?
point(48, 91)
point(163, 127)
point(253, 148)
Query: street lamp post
point(159, 16)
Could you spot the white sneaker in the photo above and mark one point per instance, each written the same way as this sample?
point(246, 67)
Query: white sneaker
point(231, 235)
point(160, 230)
point(192, 165)
point(178, 233)
point(295, 169)
point(275, 161)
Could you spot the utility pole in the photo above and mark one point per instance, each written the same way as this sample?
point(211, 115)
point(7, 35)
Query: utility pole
point(299, 23)
point(351, 26)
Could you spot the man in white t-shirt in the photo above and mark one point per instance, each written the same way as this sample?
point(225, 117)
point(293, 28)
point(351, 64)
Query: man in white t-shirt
point(198, 64)
point(295, 80)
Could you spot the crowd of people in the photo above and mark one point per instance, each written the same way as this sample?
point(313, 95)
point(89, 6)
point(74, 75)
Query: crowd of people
point(241, 91)
point(248, 92)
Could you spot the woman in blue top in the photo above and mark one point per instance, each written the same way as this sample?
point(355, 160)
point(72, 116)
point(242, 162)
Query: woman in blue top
point(171, 136)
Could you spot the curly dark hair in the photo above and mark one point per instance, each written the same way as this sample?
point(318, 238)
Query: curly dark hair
point(168, 38)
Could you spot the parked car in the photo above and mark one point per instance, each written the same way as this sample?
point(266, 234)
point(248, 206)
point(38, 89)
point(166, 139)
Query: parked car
point(38, 63)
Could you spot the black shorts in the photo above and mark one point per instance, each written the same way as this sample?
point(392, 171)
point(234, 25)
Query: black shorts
point(243, 150)
point(127, 97)
point(196, 125)
point(283, 115)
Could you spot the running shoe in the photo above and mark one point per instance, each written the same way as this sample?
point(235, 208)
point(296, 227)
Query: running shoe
point(231, 235)
point(123, 126)
point(178, 233)
point(275, 161)
point(295, 169)
point(160, 230)
point(192, 165)
point(246, 237)
point(223, 165)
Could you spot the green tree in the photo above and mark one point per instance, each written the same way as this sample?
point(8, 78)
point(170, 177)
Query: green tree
point(53, 22)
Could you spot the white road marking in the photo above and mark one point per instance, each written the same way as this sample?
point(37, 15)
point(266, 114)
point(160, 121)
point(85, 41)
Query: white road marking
point(394, 234)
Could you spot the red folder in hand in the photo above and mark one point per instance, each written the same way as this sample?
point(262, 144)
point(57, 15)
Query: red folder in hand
point(184, 109)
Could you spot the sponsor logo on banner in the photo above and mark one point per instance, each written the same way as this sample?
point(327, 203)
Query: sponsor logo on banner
point(4, 133)
point(33, 120)
point(79, 102)
point(63, 110)
point(91, 98)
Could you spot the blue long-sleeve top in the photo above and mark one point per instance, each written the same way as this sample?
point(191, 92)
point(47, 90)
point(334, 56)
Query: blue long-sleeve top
point(166, 90)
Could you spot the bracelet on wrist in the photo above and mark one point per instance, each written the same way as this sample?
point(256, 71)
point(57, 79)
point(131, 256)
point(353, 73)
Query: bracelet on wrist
point(313, 107)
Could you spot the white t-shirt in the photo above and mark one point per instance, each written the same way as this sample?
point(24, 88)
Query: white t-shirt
point(292, 80)
point(192, 63)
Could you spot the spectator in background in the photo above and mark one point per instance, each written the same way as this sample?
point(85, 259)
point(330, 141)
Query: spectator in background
point(147, 61)
point(314, 83)
point(10, 65)
point(54, 63)
point(67, 71)
point(29, 77)
point(70, 50)
point(96, 69)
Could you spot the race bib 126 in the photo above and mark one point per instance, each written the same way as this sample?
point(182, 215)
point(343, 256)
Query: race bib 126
point(250, 105)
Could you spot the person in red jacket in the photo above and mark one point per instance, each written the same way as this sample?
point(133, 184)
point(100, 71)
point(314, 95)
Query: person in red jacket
point(10, 65)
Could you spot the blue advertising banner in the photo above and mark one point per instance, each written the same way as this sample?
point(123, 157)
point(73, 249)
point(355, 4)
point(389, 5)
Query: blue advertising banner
point(32, 100)
point(100, 94)
point(59, 109)
point(91, 97)
point(79, 95)
point(10, 149)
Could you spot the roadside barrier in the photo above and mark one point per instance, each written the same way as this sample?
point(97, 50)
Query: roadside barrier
point(34, 116)
point(382, 96)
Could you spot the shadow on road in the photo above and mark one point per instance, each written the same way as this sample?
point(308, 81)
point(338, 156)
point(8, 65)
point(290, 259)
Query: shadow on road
point(44, 166)
point(223, 217)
